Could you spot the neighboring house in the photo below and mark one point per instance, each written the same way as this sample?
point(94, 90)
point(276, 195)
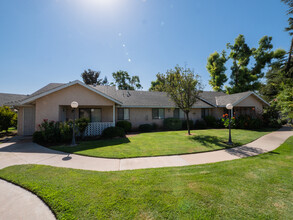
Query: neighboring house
point(7, 97)
point(104, 106)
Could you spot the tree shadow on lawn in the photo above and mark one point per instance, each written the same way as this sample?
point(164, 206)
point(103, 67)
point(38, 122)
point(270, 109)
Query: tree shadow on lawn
point(212, 141)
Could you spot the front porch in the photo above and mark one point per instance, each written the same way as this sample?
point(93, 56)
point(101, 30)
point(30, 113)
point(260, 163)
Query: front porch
point(100, 117)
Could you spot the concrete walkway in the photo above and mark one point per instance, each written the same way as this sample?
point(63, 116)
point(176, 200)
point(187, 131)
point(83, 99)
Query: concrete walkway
point(23, 151)
point(17, 203)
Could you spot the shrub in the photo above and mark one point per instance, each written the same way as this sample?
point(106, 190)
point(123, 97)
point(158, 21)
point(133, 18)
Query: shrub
point(65, 131)
point(7, 117)
point(38, 137)
point(172, 124)
point(113, 132)
point(256, 123)
point(200, 124)
point(226, 121)
point(126, 125)
point(155, 126)
point(82, 124)
point(14, 120)
point(145, 128)
point(211, 121)
point(184, 124)
point(53, 132)
point(275, 123)
point(50, 131)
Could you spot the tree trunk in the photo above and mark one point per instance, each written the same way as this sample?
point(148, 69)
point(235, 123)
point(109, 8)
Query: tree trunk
point(289, 58)
point(187, 122)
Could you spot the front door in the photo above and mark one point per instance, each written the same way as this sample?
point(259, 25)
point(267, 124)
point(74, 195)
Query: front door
point(29, 120)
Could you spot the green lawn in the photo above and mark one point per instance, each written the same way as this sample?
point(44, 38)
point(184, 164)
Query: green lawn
point(11, 129)
point(163, 143)
point(258, 187)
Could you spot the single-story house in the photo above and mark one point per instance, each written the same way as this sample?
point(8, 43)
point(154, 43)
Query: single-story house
point(105, 105)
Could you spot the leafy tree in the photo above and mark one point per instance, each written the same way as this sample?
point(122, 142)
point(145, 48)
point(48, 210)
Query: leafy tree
point(91, 77)
point(7, 118)
point(183, 87)
point(284, 101)
point(275, 76)
point(124, 81)
point(242, 77)
point(290, 31)
point(159, 84)
point(216, 68)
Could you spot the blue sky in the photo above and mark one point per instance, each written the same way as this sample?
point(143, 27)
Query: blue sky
point(55, 40)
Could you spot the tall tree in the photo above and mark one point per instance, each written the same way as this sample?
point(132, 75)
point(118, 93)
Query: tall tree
point(159, 84)
point(216, 68)
point(91, 77)
point(275, 76)
point(124, 81)
point(183, 87)
point(242, 77)
point(290, 31)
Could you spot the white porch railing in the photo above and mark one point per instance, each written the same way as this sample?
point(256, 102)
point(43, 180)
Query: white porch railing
point(96, 128)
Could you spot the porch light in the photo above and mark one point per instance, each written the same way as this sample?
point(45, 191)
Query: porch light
point(229, 106)
point(74, 106)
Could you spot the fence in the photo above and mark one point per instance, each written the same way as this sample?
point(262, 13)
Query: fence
point(96, 128)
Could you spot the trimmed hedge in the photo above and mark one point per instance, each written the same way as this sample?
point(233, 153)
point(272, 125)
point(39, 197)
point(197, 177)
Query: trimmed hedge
point(172, 124)
point(184, 124)
point(145, 128)
point(210, 121)
point(38, 137)
point(113, 132)
point(200, 124)
point(126, 125)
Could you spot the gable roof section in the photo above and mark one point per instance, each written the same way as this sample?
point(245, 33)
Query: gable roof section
point(8, 99)
point(54, 87)
point(132, 98)
point(236, 98)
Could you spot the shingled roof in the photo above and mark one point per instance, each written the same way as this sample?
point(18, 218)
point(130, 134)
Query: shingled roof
point(134, 98)
point(9, 98)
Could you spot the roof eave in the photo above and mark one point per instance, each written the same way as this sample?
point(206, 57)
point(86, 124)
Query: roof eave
point(65, 86)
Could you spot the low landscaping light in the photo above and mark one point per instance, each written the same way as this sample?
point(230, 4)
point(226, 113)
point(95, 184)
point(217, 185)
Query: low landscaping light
point(74, 106)
point(229, 106)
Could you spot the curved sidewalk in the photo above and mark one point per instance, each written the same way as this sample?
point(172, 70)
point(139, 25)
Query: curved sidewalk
point(17, 203)
point(25, 152)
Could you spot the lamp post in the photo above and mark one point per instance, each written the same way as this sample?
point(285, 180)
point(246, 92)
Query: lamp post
point(230, 107)
point(74, 106)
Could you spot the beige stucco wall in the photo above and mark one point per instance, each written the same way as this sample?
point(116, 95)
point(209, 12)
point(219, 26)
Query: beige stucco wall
point(140, 116)
point(217, 112)
point(252, 101)
point(48, 107)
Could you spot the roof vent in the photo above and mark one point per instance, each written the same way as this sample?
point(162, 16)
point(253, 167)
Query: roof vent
point(95, 84)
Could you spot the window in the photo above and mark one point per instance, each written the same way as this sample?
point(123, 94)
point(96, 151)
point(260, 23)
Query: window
point(93, 114)
point(178, 113)
point(158, 113)
point(205, 112)
point(123, 113)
